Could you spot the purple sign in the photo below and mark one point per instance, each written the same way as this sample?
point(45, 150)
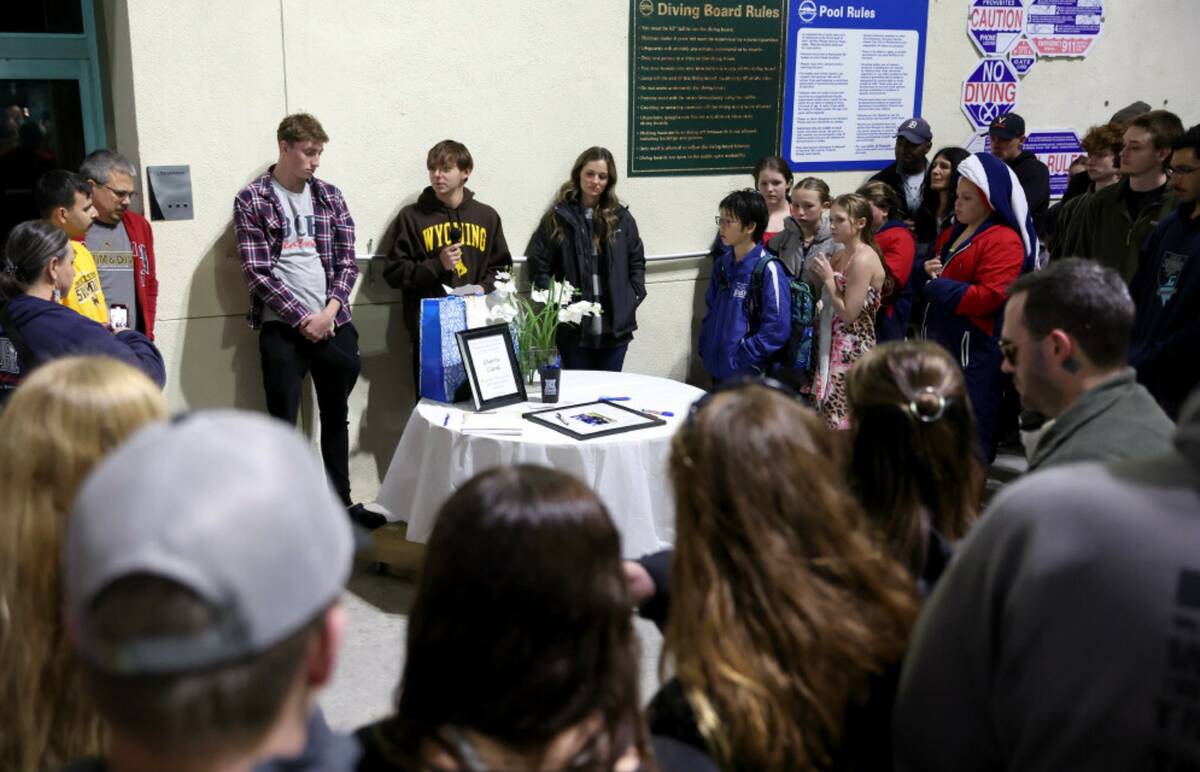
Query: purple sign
point(1022, 57)
point(1064, 27)
point(994, 25)
point(989, 91)
point(1056, 148)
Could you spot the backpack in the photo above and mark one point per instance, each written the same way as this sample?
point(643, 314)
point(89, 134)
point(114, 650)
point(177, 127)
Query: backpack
point(796, 354)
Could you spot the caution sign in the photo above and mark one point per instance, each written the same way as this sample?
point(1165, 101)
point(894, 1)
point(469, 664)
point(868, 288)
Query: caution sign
point(1023, 56)
point(1064, 27)
point(989, 91)
point(995, 25)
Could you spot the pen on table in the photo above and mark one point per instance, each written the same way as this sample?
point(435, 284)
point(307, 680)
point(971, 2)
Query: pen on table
point(446, 420)
point(613, 399)
point(666, 413)
point(561, 420)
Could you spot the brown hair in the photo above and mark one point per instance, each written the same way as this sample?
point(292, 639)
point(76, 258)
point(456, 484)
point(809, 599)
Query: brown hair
point(1105, 139)
point(817, 184)
point(1163, 125)
point(521, 626)
point(881, 195)
point(773, 163)
point(605, 223)
point(65, 417)
point(214, 713)
point(913, 465)
point(784, 603)
point(300, 127)
point(449, 153)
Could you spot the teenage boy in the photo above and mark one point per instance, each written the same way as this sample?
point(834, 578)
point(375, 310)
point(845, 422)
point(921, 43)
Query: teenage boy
point(1118, 219)
point(447, 238)
point(1166, 289)
point(731, 342)
point(204, 564)
point(1007, 137)
point(122, 243)
point(296, 241)
point(65, 201)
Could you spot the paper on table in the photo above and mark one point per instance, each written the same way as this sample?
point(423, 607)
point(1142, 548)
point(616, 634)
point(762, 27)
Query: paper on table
point(466, 289)
point(493, 368)
point(492, 423)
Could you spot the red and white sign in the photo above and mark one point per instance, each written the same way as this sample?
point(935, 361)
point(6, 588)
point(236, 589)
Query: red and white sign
point(1064, 27)
point(991, 90)
point(1022, 57)
point(994, 25)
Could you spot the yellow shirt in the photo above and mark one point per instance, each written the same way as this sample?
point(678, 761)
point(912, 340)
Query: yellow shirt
point(85, 296)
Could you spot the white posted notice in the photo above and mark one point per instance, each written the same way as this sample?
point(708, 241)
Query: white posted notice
point(853, 87)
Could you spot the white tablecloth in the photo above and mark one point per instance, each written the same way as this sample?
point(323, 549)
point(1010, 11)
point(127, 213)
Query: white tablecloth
point(628, 471)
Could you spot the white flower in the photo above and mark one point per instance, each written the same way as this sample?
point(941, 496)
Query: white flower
point(505, 288)
point(503, 312)
point(540, 295)
point(570, 315)
point(503, 276)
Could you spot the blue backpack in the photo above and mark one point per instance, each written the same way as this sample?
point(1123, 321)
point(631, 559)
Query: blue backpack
point(796, 354)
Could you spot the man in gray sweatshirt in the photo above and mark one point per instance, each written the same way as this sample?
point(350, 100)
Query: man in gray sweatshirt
point(1065, 341)
point(1066, 632)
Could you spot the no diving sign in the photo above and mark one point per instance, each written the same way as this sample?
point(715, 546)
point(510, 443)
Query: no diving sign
point(995, 25)
point(990, 91)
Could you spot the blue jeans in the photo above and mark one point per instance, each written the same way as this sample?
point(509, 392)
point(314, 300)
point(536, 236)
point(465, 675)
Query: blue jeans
point(576, 358)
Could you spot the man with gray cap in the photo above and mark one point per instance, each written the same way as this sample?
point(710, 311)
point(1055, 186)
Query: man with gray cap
point(204, 561)
point(908, 175)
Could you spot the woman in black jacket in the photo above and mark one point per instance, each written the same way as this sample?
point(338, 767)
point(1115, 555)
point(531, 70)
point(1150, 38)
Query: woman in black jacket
point(588, 238)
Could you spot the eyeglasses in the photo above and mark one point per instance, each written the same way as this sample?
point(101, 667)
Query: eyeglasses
point(723, 221)
point(740, 382)
point(1009, 349)
point(121, 194)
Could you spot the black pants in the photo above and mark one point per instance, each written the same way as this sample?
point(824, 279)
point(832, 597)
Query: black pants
point(287, 356)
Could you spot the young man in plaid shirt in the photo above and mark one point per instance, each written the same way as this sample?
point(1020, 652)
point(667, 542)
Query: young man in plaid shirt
point(296, 241)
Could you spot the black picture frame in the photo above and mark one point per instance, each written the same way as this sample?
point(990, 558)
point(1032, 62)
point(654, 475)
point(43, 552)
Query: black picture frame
point(501, 370)
point(553, 418)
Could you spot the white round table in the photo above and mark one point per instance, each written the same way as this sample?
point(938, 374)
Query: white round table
point(628, 471)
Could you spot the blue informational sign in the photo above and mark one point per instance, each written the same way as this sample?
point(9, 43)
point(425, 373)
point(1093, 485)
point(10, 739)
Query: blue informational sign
point(1022, 57)
point(854, 72)
point(995, 25)
point(990, 91)
point(1064, 27)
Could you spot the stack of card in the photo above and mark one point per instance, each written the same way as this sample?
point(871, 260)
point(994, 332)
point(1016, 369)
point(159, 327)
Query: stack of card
point(494, 424)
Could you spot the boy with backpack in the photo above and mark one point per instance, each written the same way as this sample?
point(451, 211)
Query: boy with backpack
point(752, 323)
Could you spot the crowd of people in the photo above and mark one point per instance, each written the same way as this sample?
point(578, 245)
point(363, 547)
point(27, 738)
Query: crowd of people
point(835, 599)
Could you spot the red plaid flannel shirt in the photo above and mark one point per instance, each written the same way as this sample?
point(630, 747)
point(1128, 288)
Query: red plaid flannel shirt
point(258, 220)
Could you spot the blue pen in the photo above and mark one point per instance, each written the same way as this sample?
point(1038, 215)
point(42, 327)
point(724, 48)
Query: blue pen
point(666, 413)
point(613, 399)
point(446, 420)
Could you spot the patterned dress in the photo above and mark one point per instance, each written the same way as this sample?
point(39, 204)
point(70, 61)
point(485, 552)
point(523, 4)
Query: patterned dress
point(840, 345)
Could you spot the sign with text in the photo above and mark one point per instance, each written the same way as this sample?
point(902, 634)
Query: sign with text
point(995, 25)
point(705, 85)
point(1064, 27)
point(1022, 57)
point(990, 91)
point(1056, 148)
point(854, 73)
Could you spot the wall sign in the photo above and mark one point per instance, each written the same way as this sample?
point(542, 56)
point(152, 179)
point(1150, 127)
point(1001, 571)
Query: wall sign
point(705, 85)
point(1064, 27)
point(990, 91)
point(854, 72)
point(1056, 148)
point(1022, 57)
point(995, 25)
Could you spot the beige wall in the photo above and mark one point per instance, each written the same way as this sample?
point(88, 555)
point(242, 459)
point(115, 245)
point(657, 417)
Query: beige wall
point(526, 85)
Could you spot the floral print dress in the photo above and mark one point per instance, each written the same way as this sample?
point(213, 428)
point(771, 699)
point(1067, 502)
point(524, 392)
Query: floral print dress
point(840, 345)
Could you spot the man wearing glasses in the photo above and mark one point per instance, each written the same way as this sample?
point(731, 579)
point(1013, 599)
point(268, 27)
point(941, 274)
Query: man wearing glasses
point(1166, 288)
point(1065, 342)
point(122, 243)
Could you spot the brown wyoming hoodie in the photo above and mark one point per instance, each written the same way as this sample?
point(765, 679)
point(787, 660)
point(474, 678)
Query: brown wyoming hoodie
point(423, 228)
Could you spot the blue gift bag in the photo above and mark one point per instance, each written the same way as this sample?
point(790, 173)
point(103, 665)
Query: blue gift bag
point(442, 370)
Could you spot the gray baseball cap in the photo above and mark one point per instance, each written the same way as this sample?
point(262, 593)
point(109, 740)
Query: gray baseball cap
point(233, 506)
point(916, 130)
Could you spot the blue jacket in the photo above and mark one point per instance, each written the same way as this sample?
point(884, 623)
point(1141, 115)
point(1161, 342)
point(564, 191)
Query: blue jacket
point(52, 331)
point(1166, 292)
point(728, 345)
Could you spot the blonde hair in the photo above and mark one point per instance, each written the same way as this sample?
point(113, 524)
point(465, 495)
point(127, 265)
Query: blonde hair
point(65, 417)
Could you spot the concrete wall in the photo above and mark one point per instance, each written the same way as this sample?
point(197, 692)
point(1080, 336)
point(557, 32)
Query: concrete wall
point(526, 85)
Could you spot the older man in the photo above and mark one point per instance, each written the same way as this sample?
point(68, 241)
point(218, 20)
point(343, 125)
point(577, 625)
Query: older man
point(1065, 341)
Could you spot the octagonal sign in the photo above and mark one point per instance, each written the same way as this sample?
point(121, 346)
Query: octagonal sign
point(990, 91)
point(1022, 57)
point(995, 25)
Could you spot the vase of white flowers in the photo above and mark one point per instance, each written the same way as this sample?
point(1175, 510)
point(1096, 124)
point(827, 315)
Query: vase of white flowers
point(537, 319)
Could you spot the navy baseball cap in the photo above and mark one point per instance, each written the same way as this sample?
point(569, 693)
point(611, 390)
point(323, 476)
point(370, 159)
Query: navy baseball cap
point(916, 131)
point(1008, 126)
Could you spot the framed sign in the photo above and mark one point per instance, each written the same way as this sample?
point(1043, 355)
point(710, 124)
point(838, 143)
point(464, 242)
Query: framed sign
point(593, 419)
point(491, 365)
